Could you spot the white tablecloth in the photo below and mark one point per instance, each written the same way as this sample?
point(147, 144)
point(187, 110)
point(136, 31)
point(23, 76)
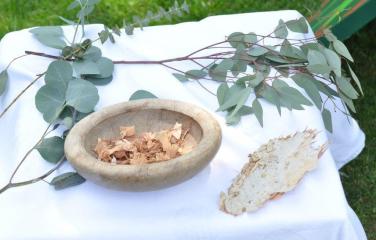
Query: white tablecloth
point(316, 209)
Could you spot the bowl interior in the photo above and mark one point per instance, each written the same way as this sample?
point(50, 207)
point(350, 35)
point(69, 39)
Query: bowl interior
point(144, 120)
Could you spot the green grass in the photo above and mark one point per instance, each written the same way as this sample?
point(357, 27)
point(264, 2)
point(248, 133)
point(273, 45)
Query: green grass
point(359, 176)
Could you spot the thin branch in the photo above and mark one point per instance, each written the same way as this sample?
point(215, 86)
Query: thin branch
point(20, 94)
point(33, 180)
point(28, 153)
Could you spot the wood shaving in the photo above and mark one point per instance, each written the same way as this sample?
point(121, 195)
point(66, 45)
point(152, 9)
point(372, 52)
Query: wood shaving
point(147, 147)
point(275, 168)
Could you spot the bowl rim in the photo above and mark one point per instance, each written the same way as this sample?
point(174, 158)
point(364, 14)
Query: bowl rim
point(82, 159)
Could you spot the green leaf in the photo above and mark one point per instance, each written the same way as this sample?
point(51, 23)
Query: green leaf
point(98, 81)
point(325, 89)
point(319, 68)
point(299, 25)
point(93, 53)
point(141, 94)
point(334, 60)
point(257, 110)
point(3, 81)
point(50, 36)
point(342, 50)
point(105, 66)
point(195, 74)
point(327, 118)
point(258, 51)
point(242, 98)
point(353, 75)
point(250, 38)
point(271, 95)
point(232, 97)
point(180, 77)
point(59, 73)
point(345, 86)
point(281, 30)
point(51, 149)
point(82, 95)
point(85, 67)
point(235, 119)
point(306, 82)
point(225, 65)
point(316, 58)
point(277, 59)
point(236, 40)
point(348, 101)
point(67, 21)
point(222, 91)
point(66, 180)
point(68, 122)
point(291, 95)
point(216, 74)
point(257, 79)
point(50, 101)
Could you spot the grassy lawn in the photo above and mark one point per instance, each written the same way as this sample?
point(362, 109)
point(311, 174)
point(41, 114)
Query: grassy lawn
point(358, 178)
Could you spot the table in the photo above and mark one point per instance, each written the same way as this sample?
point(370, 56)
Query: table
point(316, 209)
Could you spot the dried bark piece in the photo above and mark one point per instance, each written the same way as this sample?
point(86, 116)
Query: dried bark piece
point(146, 148)
point(272, 170)
point(127, 131)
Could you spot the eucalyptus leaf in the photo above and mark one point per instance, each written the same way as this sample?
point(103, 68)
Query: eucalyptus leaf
point(50, 101)
point(195, 74)
point(353, 75)
point(51, 149)
point(345, 86)
point(3, 81)
point(222, 91)
point(50, 36)
point(258, 78)
point(66, 180)
point(98, 81)
point(272, 96)
point(67, 21)
point(342, 49)
point(105, 66)
point(85, 67)
point(276, 58)
point(327, 118)
point(225, 65)
point(232, 119)
point(232, 97)
point(257, 110)
point(258, 51)
point(334, 60)
point(59, 73)
point(305, 81)
point(316, 58)
point(242, 98)
point(250, 38)
point(180, 77)
point(216, 74)
point(236, 40)
point(141, 94)
point(349, 103)
point(82, 95)
point(93, 53)
point(281, 30)
point(300, 25)
point(319, 68)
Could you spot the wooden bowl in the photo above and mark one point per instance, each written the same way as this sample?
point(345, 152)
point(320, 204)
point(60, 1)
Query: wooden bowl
point(146, 115)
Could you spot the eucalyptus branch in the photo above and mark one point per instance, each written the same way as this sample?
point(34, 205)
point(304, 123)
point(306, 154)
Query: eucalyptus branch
point(20, 94)
point(33, 180)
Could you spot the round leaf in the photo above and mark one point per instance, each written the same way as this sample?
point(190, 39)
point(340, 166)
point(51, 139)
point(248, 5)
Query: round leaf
point(49, 100)
point(82, 95)
point(141, 94)
point(51, 149)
